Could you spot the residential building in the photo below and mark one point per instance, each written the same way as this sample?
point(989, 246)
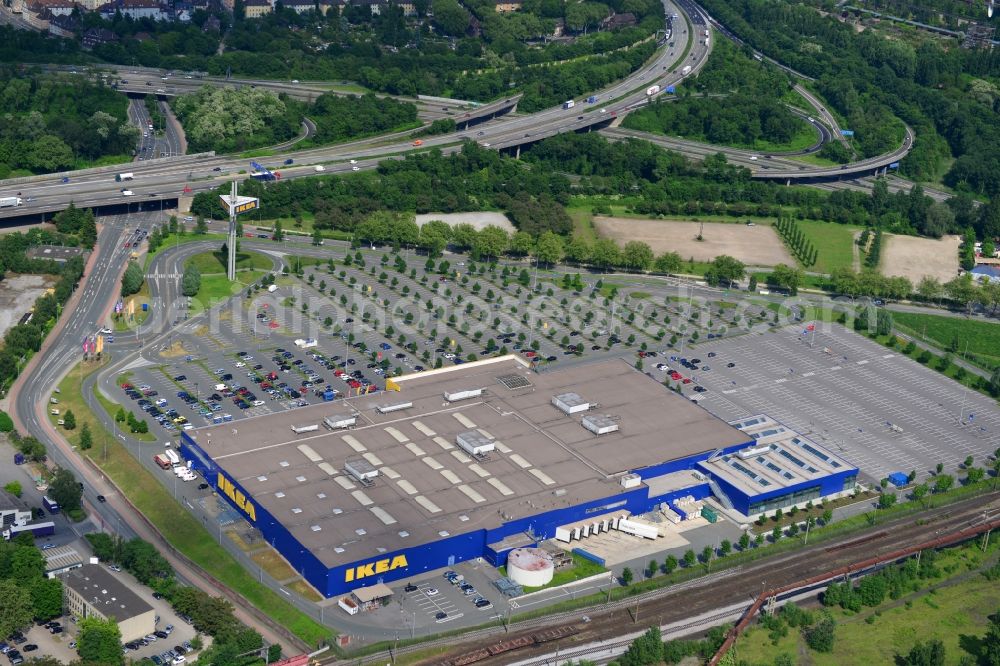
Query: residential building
point(257, 8)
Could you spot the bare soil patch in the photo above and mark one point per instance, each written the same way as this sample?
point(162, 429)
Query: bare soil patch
point(754, 246)
point(18, 295)
point(914, 258)
point(479, 220)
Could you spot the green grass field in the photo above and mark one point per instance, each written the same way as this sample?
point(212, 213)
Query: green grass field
point(834, 243)
point(177, 525)
point(209, 263)
point(980, 338)
point(217, 287)
point(954, 614)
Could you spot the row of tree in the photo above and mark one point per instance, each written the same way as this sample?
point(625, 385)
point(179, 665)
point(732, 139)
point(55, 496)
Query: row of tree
point(802, 248)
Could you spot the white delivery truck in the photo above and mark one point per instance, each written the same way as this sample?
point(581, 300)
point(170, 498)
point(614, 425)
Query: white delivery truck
point(569, 104)
point(128, 175)
point(652, 90)
point(10, 202)
point(686, 70)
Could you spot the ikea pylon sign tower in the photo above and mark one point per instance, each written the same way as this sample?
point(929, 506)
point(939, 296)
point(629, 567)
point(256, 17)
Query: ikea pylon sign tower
point(235, 205)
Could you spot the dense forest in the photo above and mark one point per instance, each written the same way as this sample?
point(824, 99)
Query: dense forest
point(868, 78)
point(53, 122)
point(235, 119)
point(737, 101)
point(229, 120)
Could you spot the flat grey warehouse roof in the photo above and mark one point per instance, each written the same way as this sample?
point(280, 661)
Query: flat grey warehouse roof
point(105, 592)
point(427, 486)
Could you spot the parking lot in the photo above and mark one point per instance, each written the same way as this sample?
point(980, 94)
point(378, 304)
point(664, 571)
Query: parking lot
point(881, 410)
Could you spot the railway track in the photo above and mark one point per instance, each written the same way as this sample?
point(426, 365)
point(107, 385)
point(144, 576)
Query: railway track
point(608, 622)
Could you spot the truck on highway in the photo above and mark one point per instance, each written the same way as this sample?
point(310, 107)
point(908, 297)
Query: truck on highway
point(11, 202)
point(686, 70)
point(38, 530)
point(128, 175)
point(652, 90)
point(49, 505)
point(569, 104)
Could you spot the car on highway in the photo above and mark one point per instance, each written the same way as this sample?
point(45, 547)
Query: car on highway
point(128, 193)
point(102, 499)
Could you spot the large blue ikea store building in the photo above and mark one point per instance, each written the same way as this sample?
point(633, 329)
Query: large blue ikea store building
point(475, 460)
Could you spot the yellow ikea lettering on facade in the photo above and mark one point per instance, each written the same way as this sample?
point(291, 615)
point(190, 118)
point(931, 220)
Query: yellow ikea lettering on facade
point(375, 568)
point(238, 498)
point(244, 207)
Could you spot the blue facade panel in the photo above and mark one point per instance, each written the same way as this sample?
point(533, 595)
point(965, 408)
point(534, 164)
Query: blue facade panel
point(445, 551)
point(828, 485)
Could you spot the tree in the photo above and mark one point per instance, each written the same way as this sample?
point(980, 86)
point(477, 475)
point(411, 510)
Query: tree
point(646, 649)
point(820, 636)
point(943, 482)
point(744, 541)
point(14, 488)
point(521, 243)
point(991, 641)
point(16, 608)
point(689, 558)
point(726, 547)
point(145, 561)
point(668, 262)
point(69, 420)
point(99, 641)
point(604, 254)
point(47, 598)
point(706, 554)
point(86, 439)
point(279, 234)
point(190, 280)
point(725, 270)
point(64, 490)
point(6, 423)
point(132, 279)
point(550, 248)
point(669, 564)
point(626, 576)
point(652, 568)
point(317, 237)
point(120, 416)
point(930, 653)
point(200, 227)
point(490, 243)
point(930, 289)
point(886, 500)
point(787, 277)
point(637, 256)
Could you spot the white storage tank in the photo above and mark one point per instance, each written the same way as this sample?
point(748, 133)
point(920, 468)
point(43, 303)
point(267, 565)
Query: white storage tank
point(530, 567)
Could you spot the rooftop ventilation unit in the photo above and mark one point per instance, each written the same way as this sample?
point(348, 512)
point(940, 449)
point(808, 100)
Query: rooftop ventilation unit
point(570, 403)
point(755, 451)
point(298, 430)
point(362, 471)
point(464, 394)
point(475, 443)
point(631, 481)
point(385, 409)
point(339, 422)
point(600, 424)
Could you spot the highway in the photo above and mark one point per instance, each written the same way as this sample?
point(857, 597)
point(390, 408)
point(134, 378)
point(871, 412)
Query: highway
point(168, 179)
